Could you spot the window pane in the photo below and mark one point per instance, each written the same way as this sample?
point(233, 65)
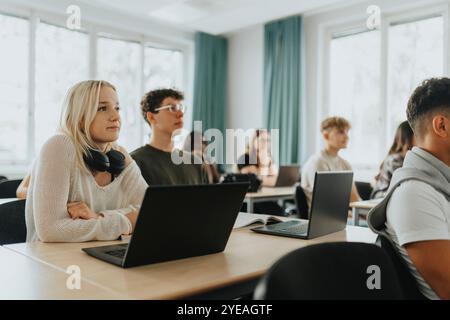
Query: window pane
point(118, 63)
point(162, 69)
point(355, 91)
point(416, 52)
point(62, 59)
point(14, 38)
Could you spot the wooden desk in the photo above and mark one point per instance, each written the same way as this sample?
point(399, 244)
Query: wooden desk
point(268, 194)
point(362, 208)
point(24, 278)
point(246, 258)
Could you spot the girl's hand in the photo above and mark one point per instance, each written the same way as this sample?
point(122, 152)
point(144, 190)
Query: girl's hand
point(79, 210)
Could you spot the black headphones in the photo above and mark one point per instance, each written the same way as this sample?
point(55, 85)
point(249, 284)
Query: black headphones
point(112, 162)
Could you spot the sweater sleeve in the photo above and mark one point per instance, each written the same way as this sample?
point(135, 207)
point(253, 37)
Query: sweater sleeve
point(50, 194)
point(133, 187)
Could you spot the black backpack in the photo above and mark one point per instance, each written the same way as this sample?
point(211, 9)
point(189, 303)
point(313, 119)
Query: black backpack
point(255, 182)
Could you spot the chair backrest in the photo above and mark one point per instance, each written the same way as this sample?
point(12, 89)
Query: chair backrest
point(331, 271)
point(12, 222)
point(302, 204)
point(364, 189)
point(8, 188)
point(407, 282)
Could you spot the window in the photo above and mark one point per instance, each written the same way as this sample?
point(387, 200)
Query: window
point(119, 63)
point(355, 91)
point(14, 37)
point(40, 61)
point(62, 59)
point(414, 52)
point(162, 69)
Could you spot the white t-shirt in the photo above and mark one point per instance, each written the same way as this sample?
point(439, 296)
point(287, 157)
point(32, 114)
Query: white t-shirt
point(320, 162)
point(417, 212)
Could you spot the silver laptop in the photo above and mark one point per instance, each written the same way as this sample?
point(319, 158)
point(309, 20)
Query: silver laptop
point(329, 209)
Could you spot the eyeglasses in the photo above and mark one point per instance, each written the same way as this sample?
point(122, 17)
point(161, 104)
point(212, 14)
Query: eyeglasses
point(173, 107)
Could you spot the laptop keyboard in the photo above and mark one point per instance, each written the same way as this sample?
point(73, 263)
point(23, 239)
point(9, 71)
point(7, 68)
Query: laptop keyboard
point(119, 253)
point(298, 229)
point(291, 227)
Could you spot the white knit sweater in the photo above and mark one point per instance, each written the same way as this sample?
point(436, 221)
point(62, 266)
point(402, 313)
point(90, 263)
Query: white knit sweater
point(57, 180)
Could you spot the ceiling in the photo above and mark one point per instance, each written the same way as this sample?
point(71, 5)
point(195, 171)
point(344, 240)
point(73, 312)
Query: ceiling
point(213, 16)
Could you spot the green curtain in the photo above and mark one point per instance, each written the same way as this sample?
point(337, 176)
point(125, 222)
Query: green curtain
point(283, 84)
point(210, 81)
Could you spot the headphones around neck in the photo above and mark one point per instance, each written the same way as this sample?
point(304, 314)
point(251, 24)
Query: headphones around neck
point(112, 162)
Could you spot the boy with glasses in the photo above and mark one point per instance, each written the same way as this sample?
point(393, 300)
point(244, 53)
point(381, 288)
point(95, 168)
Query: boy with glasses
point(163, 111)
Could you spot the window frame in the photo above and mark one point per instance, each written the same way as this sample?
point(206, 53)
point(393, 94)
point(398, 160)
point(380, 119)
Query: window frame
point(94, 29)
point(326, 35)
point(24, 15)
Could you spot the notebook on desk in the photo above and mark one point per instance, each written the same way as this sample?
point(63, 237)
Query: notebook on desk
point(245, 219)
point(329, 209)
point(177, 222)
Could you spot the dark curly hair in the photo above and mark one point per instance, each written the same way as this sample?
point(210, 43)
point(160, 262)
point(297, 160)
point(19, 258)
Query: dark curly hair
point(432, 96)
point(153, 99)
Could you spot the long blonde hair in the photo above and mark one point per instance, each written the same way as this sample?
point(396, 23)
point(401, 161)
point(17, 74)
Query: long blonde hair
point(79, 110)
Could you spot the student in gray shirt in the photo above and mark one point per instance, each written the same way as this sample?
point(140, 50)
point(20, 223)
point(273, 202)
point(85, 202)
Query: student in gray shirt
point(415, 214)
point(163, 111)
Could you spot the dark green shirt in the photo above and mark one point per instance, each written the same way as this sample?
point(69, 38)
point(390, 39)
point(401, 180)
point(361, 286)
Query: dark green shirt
point(157, 168)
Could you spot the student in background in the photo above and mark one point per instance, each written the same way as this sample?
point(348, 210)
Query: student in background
point(403, 142)
point(258, 159)
point(84, 186)
point(195, 143)
point(163, 111)
point(335, 133)
point(415, 214)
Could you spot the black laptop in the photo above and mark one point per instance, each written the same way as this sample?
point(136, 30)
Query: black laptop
point(177, 222)
point(288, 176)
point(329, 209)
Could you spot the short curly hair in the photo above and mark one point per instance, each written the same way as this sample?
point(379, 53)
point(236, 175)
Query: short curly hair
point(432, 96)
point(153, 99)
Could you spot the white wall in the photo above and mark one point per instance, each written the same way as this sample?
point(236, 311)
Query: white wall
point(245, 78)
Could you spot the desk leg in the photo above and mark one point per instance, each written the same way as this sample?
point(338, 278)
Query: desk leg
point(250, 206)
point(355, 218)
